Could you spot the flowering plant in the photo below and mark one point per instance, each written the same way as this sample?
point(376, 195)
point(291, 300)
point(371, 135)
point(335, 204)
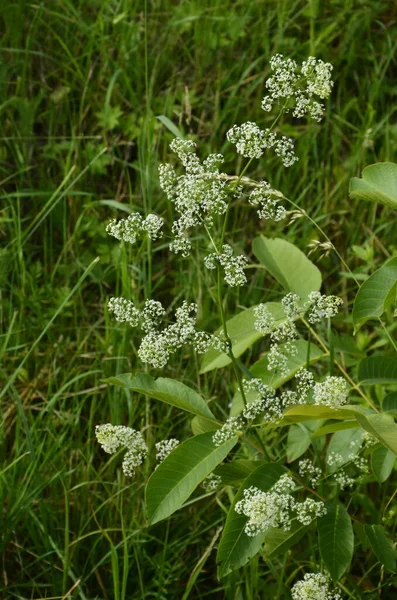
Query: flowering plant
point(274, 506)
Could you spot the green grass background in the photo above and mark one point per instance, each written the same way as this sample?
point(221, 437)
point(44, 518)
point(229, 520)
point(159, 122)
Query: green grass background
point(81, 84)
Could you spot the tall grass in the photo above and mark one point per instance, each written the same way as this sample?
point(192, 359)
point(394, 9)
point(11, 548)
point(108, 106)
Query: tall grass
point(81, 86)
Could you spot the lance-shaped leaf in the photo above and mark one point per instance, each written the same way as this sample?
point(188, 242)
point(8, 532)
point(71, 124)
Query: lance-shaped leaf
point(378, 183)
point(166, 390)
point(288, 265)
point(381, 546)
point(336, 539)
point(382, 461)
point(278, 541)
point(345, 444)
point(236, 548)
point(305, 354)
point(376, 294)
point(242, 332)
point(236, 471)
point(377, 369)
point(181, 472)
point(298, 441)
point(383, 427)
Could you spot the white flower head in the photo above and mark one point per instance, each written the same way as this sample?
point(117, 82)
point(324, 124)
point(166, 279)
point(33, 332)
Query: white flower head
point(164, 448)
point(131, 228)
point(268, 202)
point(113, 437)
point(314, 586)
point(211, 482)
point(229, 429)
point(332, 392)
point(322, 307)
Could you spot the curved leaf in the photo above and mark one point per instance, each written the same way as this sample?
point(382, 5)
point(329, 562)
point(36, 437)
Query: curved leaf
point(376, 294)
point(236, 547)
point(180, 473)
point(382, 461)
point(381, 545)
point(383, 427)
point(236, 471)
point(288, 265)
point(166, 390)
point(389, 403)
point(202, 425)
point(278, 541)
point(336, 539)
point(243, 334)
point(298, 441)
point(345, 443)
point(377, 184)
point(377, 369)
point(294, 363)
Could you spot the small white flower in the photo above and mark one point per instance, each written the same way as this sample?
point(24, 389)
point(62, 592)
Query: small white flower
point(229, 429)
point(131, 228)
point(211, 482)
point(268, 201)
point(164, 448)
point(113, 437)
point(314, 586)
point(322, 307)
point(309, 470)
point(248, 138)
point(331, 392)
point(233, 266)
point(124, 311)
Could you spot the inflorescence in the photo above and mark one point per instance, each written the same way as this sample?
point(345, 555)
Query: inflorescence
point(314, 586)
point(158, 344)
point(275, 508)
point(113, 437)
point(131, 228)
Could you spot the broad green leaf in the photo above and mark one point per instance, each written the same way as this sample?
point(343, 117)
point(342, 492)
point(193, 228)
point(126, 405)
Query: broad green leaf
point(202, 425)
point(166, 390)
point(259, 369)
point(243, 334)
point(377, 369)
point(347, 444)
point(389, 403)
point(378, 184)
point(307, 412)
point(288, 265)
point(336, 539)
point(298, 441)
point(333, 427)
point(382, 461)
point(382, 546)
point(383, 427)
point(236, 548)
point(180, 473)
point(170, 126)
point(278, 541)
point(236, 471)
point(376, 294)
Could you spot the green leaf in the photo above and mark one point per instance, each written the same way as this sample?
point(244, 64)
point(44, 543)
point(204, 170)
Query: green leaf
point(382, 546)
point(278, 541)
point(389, 403)
point(166, 390)
point(383, 427)
point(202, 425)
point(288, 265)
point(236, 471)
point(377, 369)
point(382, 461)
point(376, 294)
point(298, 441)
point(336, 539)
point(180, 473)
point(307, 412)
point(243, 334)
point(378, 184)
point(170, 126)
point(332, 427)
point(236, 548)
point(260, 370)
point(346, 444)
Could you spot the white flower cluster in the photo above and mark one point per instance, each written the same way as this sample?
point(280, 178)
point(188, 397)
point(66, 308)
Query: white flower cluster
point(164, 448)
point(314, 586)
point(131, 228)
point(322, 307)
point(267, 201)
point(211, 482)
point(113, 437)
point(198, 195)
point(309, 470)
point(265, 404)
point(251, 142)
point(331, 392)
point(157, 345)
point(233, 266)
point(286, 82)
point(229, 429)
point(274, 508)
point(284, 333)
